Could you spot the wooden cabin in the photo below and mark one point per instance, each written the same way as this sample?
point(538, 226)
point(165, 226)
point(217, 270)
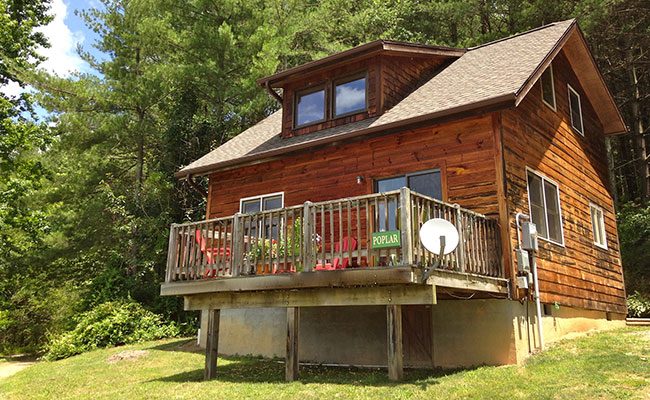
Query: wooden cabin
point(310, 249)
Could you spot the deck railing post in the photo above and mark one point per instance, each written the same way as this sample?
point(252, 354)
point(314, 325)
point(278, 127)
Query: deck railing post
point(307, 237)
point(237, 243)
point(406, 228)
point(461, 239)
point(171, 254)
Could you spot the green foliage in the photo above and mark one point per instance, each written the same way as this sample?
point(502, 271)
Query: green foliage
point(638, 305)
point(634, 236)
point(110, 324)
point(87, 196)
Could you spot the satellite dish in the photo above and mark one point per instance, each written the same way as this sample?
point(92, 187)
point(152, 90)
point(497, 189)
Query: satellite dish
point(433, 230)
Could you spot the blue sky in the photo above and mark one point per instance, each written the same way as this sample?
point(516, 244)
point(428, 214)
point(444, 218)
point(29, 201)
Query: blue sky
point(64, 33)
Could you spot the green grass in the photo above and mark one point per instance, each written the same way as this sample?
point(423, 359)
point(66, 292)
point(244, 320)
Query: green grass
point(609, 365)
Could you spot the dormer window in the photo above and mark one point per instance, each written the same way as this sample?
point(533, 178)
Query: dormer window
point(350, 96)
point(310, 107)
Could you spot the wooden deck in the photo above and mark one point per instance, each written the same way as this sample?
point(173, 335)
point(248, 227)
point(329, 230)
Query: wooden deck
point(291, 248)
point(322, 254)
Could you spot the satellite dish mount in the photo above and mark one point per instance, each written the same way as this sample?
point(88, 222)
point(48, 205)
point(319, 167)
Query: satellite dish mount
point(439, 237)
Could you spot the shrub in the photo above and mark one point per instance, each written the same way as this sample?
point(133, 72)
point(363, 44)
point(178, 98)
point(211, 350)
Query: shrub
point(109, 324)
point(638, 306)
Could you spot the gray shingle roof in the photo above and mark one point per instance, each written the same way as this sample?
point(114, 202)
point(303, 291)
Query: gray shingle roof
point(495, 72)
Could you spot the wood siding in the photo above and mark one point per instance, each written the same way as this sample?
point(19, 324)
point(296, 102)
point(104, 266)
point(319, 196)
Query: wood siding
point(579, 273)
point(462, 150)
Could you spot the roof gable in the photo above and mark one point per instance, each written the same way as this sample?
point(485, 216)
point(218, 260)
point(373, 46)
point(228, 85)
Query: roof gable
point(496, 74)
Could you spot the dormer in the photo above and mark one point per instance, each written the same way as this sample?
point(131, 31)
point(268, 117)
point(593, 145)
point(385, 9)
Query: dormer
point(353, 85)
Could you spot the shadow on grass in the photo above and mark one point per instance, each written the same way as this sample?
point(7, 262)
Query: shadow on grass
point(256, 370)
point(183, 345)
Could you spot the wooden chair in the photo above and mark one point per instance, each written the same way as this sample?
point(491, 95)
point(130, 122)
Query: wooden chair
point(349, 244)
point(212, 255)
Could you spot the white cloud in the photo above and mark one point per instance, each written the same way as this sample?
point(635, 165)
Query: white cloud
point(11, 89)
point(62, 58)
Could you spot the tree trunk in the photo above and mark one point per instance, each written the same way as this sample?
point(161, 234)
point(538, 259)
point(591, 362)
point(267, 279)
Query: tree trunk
point(643, 171)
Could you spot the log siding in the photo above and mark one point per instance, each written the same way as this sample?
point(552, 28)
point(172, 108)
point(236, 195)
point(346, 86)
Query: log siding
point(577, 273)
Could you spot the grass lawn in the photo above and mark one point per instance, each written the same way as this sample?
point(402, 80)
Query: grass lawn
point(609, 365)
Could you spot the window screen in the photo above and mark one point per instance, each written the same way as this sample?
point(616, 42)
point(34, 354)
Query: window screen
point(598, 226)
point(543, 196)
point(576, 110)
point(548, 88)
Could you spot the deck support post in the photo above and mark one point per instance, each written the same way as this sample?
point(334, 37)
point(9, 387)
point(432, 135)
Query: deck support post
point(395, 349)
point(293, 331)
point(212, 345)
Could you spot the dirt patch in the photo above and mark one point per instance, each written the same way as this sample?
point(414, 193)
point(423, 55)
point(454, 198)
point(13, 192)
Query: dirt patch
point(11, 367)
point(190, 346)
point(126, 355)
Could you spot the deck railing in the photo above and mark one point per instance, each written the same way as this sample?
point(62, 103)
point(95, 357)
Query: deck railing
point(333, 234)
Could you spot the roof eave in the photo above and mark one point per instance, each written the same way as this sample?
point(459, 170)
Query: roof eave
point(364, 50)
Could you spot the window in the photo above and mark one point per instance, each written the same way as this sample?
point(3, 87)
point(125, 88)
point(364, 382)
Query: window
point(310, 107)
point(598, 226)
point(575, 109)
point(265, 202)
point(427, 183)
point(544, 201)
point(350, 97)
point(548, 87)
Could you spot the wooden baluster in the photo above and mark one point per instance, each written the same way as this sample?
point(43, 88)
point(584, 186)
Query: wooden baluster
point(369, 223)
point(359, 243)
point(189, 240)
point(285, 229)
point(331, 252)
point(349, 233)
point(323, 237)
point(340, 253)
point(293, 244)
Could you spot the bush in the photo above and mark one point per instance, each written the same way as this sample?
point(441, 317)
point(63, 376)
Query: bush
point(110, 324)
point(634, 236)
point(638, 306)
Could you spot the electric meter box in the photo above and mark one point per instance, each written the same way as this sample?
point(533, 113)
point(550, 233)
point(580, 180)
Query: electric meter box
point(529, 236)
point(523, 262)
point(522, 282)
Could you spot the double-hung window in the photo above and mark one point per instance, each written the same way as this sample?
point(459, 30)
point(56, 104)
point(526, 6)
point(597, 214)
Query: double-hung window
point(548, 87)
point(575, 109)
point(544, 201)
point(267, 202)
point(598, 225)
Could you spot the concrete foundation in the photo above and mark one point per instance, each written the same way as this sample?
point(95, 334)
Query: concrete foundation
point(456, 333)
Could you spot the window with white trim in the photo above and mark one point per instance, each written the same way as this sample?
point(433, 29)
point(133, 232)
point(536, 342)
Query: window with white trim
point(575, 110)
point(548, 87)
point(266, 202)
point(545, 212)
point(598, 225)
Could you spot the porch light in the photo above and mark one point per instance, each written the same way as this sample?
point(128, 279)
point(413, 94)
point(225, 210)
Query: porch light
point(359, 179)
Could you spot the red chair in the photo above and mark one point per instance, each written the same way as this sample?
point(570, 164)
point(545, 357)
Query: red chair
point(212, 254)
point(349, 244)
